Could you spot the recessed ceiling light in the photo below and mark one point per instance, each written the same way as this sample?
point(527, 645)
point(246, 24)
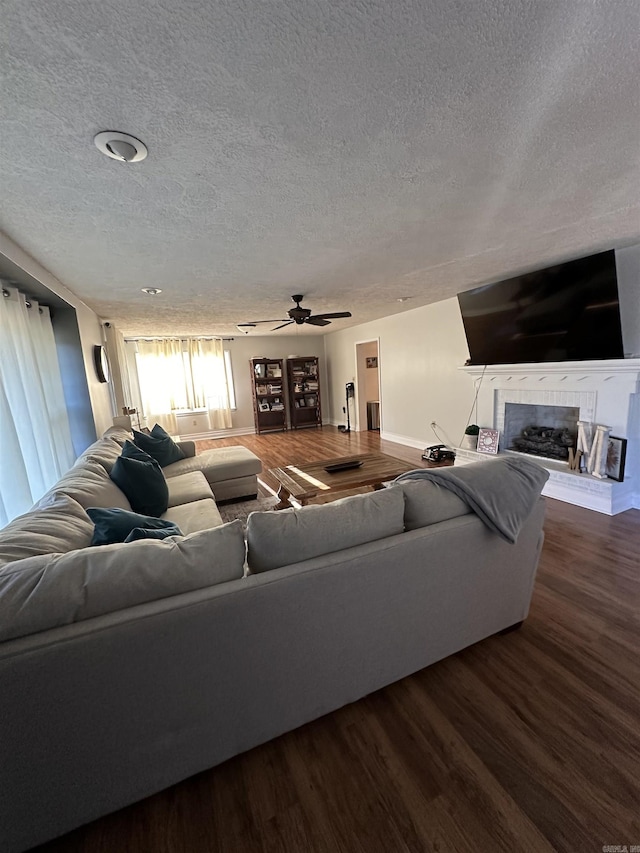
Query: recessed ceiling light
point(120, 146)
point(403, 298)
point(151, 291)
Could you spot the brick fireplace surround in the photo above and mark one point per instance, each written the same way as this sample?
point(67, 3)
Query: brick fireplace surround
point(605, 392)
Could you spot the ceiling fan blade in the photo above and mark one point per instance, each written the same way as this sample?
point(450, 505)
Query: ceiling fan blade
point(288, 323)
point(255, 322)
point(317, 321)
point(334, 316)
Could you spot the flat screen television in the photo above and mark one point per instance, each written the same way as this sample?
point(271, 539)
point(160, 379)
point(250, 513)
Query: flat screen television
point(568, 312)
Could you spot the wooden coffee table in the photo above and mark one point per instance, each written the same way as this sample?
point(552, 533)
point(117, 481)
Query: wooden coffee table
point(302, 483)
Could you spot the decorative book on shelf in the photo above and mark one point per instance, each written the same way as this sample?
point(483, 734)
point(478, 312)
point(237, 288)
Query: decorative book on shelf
point(303, 386)
point(269, 413)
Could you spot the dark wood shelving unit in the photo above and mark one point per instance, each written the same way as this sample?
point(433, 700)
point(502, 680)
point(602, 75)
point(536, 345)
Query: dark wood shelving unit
point(268, 387)
point(303, 381)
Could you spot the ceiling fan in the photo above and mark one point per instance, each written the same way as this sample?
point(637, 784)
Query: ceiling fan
point(299, 316)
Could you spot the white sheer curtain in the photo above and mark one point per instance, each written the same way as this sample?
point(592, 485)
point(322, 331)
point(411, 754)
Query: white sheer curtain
point(209, 375)
point(181, 375)
point(119, 368)
point(161, 379)
point(35, 445)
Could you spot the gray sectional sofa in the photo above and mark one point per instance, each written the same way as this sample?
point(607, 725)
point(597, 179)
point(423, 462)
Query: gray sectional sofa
point(127, 668)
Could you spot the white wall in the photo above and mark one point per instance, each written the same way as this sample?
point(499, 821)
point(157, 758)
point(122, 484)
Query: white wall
point(420, 351)
point(89, 329)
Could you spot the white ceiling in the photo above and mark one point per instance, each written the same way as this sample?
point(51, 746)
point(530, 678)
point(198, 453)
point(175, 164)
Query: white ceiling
point(356, 152)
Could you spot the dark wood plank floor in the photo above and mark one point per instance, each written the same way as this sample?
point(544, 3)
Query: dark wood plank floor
point(525, 742)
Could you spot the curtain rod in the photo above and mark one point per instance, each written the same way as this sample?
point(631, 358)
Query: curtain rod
point(6, 293)
point(181, 338)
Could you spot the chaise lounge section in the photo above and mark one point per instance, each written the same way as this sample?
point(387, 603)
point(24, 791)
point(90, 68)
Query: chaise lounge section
point(232, 472)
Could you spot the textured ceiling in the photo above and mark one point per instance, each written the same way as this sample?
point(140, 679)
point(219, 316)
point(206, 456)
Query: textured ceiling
point(356, 152)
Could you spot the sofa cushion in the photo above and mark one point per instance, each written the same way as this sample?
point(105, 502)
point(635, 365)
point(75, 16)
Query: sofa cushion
point(221, 463)
point(118, 434)
point(46, 591)
point(143, 483)
point(191, 517)
point(187, 446)
point(160, 445)
point(105, 451)
point(90, 485)
point(57, 523)
point(114, 525)
point(428, 503)
point(187, 488)
point(277, 539)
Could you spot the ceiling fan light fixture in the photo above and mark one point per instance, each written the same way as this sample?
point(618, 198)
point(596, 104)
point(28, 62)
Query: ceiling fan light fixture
point(151, 291)
point(120, 146)
point(302, 316)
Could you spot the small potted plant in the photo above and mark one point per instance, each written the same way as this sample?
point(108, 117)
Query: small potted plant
point(470, 440)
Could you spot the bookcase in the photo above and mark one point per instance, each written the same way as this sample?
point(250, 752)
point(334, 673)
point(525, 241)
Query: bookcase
point(303, 380)
point(267, 378)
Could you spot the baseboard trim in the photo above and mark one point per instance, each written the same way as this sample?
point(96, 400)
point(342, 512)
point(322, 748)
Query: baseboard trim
point(218, 433)
point(403, 439)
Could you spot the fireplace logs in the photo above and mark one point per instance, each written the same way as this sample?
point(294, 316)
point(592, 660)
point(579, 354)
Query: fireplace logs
point(545, 441)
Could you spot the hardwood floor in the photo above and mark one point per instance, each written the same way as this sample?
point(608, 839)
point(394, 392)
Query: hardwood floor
point(528, 741)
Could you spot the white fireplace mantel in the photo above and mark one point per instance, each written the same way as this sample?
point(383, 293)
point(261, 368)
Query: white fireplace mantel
point(612, 367)
point(605, 392)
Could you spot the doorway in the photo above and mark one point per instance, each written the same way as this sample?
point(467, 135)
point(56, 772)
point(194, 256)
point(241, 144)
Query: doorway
point(368, 385)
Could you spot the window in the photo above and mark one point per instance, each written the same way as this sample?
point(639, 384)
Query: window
point(178, 375)
point(218, 388)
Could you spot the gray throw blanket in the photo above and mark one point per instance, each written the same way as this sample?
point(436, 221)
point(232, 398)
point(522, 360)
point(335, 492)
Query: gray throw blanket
point(502, 492)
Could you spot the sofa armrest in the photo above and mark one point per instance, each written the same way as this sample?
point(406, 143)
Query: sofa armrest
point(187, 447)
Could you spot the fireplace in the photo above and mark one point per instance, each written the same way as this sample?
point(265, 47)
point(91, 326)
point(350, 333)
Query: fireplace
point(512, 398)
point(540, 430)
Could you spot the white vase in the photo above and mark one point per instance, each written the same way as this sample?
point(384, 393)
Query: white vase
point(469, 442)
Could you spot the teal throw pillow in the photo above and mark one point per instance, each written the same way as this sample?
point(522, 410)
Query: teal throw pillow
point(114, 524)
point(143, 483)
point(149, 533)
point(132, 451)
point(160, 445)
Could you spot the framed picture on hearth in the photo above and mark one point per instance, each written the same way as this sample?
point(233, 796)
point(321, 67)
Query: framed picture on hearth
point(616, 456)
point(488, 441)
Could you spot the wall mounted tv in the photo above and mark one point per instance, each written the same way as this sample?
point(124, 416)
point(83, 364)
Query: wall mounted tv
point(568, 312)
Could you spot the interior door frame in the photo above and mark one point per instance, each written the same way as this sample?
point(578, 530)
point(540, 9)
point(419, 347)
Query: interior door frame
point(360, 424)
